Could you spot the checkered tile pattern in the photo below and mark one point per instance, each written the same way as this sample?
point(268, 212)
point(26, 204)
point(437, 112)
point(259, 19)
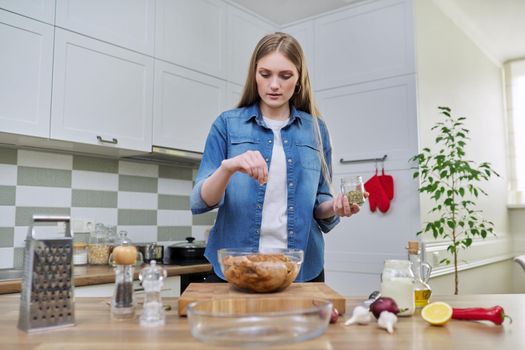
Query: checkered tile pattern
point(149, 201)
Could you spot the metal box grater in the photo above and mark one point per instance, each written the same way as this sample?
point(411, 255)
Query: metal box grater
point(47, 299)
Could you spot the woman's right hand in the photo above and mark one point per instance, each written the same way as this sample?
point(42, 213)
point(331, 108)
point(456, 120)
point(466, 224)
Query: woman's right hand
point(251, 163)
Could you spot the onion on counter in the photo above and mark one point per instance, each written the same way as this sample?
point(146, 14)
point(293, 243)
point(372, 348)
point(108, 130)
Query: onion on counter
point(384, 304)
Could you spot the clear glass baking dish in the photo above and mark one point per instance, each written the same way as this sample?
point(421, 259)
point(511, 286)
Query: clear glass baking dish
point(258, 321)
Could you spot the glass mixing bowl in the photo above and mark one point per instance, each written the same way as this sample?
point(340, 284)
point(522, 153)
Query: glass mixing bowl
point(260, 271)
point(258, 321)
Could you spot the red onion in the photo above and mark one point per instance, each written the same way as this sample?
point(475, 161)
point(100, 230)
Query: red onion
point(384, 304)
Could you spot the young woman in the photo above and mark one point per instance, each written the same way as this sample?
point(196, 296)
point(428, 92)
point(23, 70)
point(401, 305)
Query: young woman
point(267, 164)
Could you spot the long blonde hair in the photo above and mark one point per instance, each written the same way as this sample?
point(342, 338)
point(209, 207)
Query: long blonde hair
point(303, 97)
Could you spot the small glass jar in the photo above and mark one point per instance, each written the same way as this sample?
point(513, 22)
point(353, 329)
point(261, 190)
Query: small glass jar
point(114, 239)
point(122, 303)
point(397, 282)
point(80, 253)
point(98, 247)
point(353, 188)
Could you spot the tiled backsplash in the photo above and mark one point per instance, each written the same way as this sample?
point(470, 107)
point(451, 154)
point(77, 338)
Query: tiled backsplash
point(149, 201)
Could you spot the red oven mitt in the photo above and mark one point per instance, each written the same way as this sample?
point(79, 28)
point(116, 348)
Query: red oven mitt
point(376, 195)
point(387, 182)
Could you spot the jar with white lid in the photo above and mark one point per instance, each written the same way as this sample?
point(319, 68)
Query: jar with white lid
point(80, 253)
point(397, 282)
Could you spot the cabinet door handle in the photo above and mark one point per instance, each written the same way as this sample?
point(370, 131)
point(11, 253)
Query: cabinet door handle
point(113, 141)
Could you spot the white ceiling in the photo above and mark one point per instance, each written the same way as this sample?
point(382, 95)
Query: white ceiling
point(496, 26)
point(287, 11)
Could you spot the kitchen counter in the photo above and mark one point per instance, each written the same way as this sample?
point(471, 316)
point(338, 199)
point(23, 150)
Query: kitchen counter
point(99, 274)
point(95, 329)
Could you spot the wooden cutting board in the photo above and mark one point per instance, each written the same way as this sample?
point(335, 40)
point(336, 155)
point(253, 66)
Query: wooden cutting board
point(207, 291)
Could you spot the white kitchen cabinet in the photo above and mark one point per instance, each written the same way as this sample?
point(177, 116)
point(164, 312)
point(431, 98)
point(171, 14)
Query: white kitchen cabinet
point(233, 92)
point(356, 248)
point(370, 120)
point(42, 10)
point(363, 43)
point(243, 32)
point(171, 288)
point(191, 33)
point(305, 34)
point(186, 104)
point(26, 65)
point(130, 24)
point(102, 94)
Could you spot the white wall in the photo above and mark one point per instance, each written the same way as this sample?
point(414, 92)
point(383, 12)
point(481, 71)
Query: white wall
point(475, 281)
point(454, 72)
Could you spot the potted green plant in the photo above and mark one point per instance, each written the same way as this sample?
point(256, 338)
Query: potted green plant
point(452, 183)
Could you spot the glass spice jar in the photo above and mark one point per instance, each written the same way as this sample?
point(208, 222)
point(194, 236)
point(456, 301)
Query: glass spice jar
point(98, 247)
point(80, 253)
point(113, 238)
point(353, 188)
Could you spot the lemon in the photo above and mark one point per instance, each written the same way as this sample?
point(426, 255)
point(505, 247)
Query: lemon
point(437, 313)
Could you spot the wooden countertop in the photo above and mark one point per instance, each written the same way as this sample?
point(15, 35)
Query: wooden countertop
point(100, 274)
point(95, 329)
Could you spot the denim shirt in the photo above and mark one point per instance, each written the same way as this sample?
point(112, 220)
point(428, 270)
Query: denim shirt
point(239, 216)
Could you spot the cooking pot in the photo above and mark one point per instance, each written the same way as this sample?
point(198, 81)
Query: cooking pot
point(186, 253)
point(151, 251)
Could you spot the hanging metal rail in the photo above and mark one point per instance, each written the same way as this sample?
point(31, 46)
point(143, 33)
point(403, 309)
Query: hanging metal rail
point(382, 159)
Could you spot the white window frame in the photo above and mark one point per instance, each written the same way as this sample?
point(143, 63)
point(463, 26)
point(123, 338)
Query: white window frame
point(515, 92)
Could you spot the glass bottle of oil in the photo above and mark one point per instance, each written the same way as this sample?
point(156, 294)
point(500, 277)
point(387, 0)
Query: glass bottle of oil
point(421, 270)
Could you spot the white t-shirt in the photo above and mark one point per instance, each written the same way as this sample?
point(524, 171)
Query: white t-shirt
point(274, 224)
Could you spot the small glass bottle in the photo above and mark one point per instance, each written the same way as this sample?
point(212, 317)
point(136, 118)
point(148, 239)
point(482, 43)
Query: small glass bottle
point(152, 277)
point(421, 269)
point(122, 304)
point(397, 282)
point(353, 188)
point(113, 238)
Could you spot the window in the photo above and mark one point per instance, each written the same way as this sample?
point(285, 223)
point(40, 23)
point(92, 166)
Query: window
point(515, 77)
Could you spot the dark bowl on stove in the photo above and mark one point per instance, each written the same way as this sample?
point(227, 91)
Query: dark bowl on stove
point(189, 252)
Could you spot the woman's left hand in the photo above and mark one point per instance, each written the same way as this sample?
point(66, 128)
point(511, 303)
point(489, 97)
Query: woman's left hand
point(342, 207)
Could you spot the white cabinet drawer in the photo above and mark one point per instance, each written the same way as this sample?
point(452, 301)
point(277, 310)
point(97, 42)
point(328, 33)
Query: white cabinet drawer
point(170, 288)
